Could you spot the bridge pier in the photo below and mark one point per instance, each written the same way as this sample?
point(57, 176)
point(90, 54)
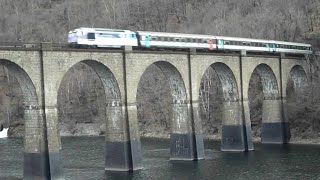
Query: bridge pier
point(274, 129)
point(181, 137)
point(54, 144)
point(233, 129)
point(118, 155)
point(134, 137)
point(36, 157)
point(247, 122)
point(197, 131)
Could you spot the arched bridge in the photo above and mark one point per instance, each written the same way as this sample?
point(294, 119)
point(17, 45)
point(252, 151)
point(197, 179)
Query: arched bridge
point(40, 72)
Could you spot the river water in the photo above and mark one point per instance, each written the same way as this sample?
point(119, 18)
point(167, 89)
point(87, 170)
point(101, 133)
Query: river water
point(83, 159)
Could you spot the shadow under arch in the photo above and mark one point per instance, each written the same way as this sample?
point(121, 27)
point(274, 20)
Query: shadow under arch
point(36, 157)
point(117, 152)
point(297, 81)
point(181, 136)
point(296, 101)
point(233, 133)
point(273, 126)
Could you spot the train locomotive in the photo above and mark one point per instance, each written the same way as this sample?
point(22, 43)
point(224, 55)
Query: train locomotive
point(114, 38)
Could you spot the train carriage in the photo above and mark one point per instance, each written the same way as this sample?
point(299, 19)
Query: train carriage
point(175, 40)
point(232, 43)
point(260, 45)
point(291, 47)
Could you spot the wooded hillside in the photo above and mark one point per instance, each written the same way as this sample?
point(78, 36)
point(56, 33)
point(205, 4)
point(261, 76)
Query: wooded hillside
point(50, 20)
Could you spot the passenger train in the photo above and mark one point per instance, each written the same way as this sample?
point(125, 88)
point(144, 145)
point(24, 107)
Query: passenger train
point(113, 38)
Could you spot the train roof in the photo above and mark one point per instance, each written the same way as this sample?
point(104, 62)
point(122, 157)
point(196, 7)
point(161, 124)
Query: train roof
point(241, 39)
point(101, 29)
point(290, 43)
point(174, 34)
point(261, 41)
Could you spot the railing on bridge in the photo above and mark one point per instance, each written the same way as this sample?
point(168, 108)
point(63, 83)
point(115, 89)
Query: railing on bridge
point(32, 45)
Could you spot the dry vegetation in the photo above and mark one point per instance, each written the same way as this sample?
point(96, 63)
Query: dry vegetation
point(50, 20)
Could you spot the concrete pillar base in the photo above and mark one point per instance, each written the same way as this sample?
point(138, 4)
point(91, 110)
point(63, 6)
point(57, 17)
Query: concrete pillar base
point(136, 154)
point(275, 133)
point(36, 166)
point(233, 138)
point(248, 135)
point(117, 156)
point(199, 146)
point(56, 168)
point(120, 158)
point(181, 147)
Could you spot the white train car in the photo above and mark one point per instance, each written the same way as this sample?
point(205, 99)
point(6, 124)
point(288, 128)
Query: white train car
point(290, 47)
point(260, 45)
point(175, 40)
point(100, 37)
point(232, 43)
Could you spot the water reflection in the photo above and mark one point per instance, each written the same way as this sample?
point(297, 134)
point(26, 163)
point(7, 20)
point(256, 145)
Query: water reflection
point(83, 159)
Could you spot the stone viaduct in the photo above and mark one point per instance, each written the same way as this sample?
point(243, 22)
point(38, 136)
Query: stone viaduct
point(40, 72)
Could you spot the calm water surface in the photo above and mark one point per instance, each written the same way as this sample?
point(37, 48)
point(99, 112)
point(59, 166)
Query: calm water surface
point(84, 160)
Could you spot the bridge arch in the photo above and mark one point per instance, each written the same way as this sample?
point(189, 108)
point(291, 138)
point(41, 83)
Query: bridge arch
point(35, 149)
point(273, 127)
point(116, 134)
point(232, 135)
point(181, 137)
point(297, 99)
point(297, 80)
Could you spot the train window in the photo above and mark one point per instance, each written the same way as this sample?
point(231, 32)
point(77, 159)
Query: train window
point(199, 40)
point(91, 36)
point(133, 36)
point(165, 39)
point(194, 40)
point(177, 40)
point(188, 40)
point(154, 38)
point(171, 39)
point(182, 40)
point(244, 43)
point(226, 42)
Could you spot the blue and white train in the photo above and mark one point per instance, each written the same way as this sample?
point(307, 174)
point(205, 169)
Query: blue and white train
point(113, 38)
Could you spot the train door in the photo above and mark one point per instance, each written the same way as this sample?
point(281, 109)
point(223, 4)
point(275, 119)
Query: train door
point(147, 41)
point(221, 43)
point(210, 44)
point(272, 47)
